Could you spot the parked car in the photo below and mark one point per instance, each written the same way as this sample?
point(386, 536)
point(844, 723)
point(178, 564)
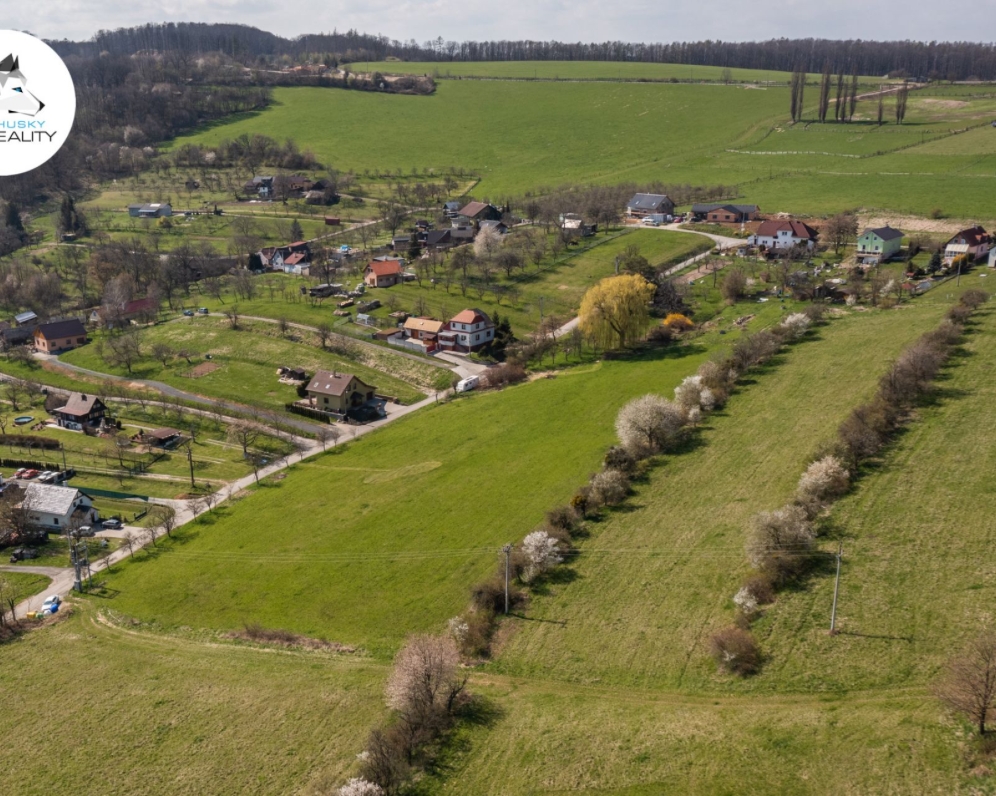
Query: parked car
point(23, 554)
point(85, 530)
point(27, 475)
point(189, 313)
point(20, 471)
point(47, 476)
point(651, 222)
point(51, 604)
point(202, 310)
point(113, 524)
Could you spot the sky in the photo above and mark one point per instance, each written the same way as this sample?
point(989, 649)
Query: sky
point(563, 20)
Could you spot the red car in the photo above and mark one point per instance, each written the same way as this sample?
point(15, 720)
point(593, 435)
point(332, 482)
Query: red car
point(29, 474)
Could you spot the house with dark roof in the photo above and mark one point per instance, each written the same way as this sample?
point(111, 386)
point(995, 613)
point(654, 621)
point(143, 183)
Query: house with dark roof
point(260, 186)
point(338, 392)
point(498, 226)
point(784, 234)
point(649, 204)
point(468, 330)
point(82, 409)
point(438, 239)
point(724, 214)
point(451, 209)
point(154, 210)
point(382, 273)
point(876, 245)
point(58, 508)
point(974, 241)
point(59, 336)
point(476, 212)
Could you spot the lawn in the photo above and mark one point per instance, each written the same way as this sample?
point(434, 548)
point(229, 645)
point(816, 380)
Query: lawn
point(241, 365)
point(591, 132)
point(26, 583)
point(157, 715)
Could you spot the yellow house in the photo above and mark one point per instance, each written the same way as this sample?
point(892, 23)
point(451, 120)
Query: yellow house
point(338, 392)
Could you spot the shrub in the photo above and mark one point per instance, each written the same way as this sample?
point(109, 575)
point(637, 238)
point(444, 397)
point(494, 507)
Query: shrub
point(618, 458)
point(693, 394)
point(649, 424)
point(542, 553)
point(761, 588)
point(746, 602)
point(719, 379)
point(503, 374)
point(780, 542)
point(959, 313)
point(563, 518)
point(583, 502)
point(610, 487)
point(733, 286)
point(660, 335)
point(385, 760)
point(489, 595)
point(947, 334)
point(823, 480)
point(815, 312)
point(360, 787)
point(677, 322)
point(974, 298)
point(735, 651)
point(796, 325)
point(861, 434)
point(753, 350)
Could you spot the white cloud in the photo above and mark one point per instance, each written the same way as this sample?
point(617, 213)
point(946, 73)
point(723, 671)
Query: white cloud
point(565, 20)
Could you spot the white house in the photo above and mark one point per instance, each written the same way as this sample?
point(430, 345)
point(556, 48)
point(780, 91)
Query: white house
point(58, 507)
point(783, 235)
point(469, 330)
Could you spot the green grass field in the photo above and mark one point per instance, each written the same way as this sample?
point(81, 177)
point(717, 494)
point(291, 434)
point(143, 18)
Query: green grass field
point(623, 132)
point(26, 583)
point(158, 715)
point(246, 362)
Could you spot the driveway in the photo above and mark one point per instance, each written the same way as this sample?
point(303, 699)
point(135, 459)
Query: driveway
point(463, 366)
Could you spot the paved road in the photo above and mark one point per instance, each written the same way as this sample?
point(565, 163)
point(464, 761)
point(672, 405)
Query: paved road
point(464, 367)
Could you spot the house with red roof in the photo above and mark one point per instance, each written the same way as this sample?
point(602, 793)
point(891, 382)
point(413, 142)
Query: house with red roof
point(468, 330)
point(783, 234)
point(382, 273)
point(974, 241)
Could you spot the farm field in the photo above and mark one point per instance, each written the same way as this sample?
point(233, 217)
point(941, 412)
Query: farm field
point(309, 551)
point(559, 282)
point(163, 715)
point(695, 134)
point(243, 363)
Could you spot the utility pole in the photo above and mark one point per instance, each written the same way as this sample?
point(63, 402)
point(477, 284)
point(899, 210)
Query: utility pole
point(74, 556)
point(836, 588)
point(190, 461)
point(507, 550)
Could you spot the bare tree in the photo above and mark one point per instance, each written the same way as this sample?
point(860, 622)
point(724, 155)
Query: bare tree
point(162, 352)
point(165, 517)
point(129, 541)
point(244, 433)
point(968, 684)
point(233, 317)
point(324, 332)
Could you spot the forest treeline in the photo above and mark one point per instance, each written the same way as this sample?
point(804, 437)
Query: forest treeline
point(929, 60)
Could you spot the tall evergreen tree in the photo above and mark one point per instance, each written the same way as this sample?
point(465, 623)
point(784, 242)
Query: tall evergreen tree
point(853, 99)
point(824, 92)
point(841, 99)
point(12, 217)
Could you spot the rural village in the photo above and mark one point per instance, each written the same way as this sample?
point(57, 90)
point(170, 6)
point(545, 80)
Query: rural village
point(675, 463)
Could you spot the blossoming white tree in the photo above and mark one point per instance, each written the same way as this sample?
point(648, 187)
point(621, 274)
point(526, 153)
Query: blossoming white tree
point(542, 554)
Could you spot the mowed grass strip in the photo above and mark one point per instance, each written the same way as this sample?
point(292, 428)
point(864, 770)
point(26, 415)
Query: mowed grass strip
point(25, 584)
point(655, 579)
point(92, 710)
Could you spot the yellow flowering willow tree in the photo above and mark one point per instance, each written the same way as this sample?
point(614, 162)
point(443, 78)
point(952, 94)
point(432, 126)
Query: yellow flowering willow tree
point(617, 310)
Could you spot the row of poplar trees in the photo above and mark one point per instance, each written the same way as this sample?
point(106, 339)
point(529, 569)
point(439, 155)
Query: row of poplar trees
point(846, 99)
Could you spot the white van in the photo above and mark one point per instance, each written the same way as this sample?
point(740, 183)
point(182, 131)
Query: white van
point(468, 384)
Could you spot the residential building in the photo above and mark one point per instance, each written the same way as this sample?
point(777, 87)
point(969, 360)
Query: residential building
point(438, 239)
point(649, 204)
point(59, 336)
point(381, 273)
point(974, 241)
point(783, 235)
point(424, 332)
point(451, 209)
point(144, 309)
point(260, 186)
point(165, 438)
point(469, 330)
point(498, 226)
point(58, 508)
point(476, 212)
point(879, 244)
point(82, 409)
point(157, 210)
point(573, 224)
point(338, 392)
point(724, 214)
point(297, 263)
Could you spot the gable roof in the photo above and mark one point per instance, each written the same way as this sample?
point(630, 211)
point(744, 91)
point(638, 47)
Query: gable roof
point(70, 328)
point(25, 317)
point(163, 433)
point(295, 258)
point(79, 404)
point(473, 209)
point(647, 201)
point(494, 224)
point(770, 229)
point(699, 208)
point(972, 236)
point(470, 316)
point(884, 233)
point(385, 267)
point(327, 383)
point(50, 498)
point(437, 236)
point(430, 325)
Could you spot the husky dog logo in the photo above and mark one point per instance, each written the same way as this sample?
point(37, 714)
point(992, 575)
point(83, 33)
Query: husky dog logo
point(14, 96)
